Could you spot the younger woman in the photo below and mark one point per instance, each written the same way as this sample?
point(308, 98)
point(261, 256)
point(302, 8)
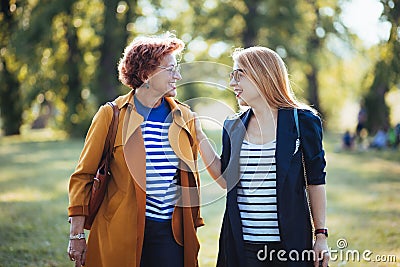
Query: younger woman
point(267, 218)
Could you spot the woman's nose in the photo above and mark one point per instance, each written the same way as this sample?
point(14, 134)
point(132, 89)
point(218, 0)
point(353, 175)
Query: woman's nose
point(177, 75)
point(232, 82)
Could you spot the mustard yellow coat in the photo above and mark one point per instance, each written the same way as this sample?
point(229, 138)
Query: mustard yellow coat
point(116, 236)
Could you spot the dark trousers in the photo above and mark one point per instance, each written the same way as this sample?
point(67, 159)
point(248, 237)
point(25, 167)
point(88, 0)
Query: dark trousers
point(262, 255)
point(159, 246)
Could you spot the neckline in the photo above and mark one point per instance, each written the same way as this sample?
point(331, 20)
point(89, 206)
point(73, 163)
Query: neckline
point(265, 144)
point(138, 103)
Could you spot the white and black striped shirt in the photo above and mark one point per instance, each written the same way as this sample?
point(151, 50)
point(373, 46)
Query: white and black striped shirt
point(161, 162)
point(256, 195)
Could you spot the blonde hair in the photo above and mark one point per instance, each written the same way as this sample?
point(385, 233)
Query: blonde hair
point(266, 69)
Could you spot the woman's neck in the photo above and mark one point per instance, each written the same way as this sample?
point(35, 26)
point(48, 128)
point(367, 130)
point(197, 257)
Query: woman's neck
point(265, 115)
point(262, 125)
point(146, 98)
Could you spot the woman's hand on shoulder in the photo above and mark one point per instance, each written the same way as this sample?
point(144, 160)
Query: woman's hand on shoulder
point(200, 135)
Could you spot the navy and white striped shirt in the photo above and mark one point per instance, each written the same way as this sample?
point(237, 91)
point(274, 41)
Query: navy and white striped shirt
point(161, 161)
point(256, 195)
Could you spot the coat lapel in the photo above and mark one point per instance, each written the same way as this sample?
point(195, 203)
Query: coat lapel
point(285, 145)
point(135, 159)
point(237, 132)
point(134, 152)
point(131, 122)
point(180, 138)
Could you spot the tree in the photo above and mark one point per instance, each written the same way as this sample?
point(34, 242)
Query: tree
point(298, 31)
point(51, 55)
point(68, 52)
point(73, 99)
point(114, 35)
point(386, 71)
point(10, 96)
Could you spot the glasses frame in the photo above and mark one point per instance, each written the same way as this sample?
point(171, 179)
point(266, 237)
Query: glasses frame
point(235, 74)
point(172, 69)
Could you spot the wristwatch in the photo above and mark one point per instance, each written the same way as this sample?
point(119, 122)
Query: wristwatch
point(77, 236)
point(323, 231)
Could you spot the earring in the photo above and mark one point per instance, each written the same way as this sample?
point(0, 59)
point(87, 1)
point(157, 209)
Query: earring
point(146, 85)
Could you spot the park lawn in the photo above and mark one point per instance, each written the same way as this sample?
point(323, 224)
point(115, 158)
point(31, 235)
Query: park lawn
point(363, 202)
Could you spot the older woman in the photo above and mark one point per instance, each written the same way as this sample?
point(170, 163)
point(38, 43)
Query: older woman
point(267, 218)
point(150, 212)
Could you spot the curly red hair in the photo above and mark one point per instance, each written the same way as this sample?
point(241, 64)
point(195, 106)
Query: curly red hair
point(142, 56)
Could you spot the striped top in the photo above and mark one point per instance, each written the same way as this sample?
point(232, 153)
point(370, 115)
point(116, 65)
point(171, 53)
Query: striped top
point(161, 162)
point(256, 195)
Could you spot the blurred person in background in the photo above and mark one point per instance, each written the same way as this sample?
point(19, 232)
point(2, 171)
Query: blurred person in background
point(380, 139)
point(347, 140)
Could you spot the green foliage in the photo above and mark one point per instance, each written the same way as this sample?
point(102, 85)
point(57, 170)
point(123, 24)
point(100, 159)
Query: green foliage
point(60, 57)
point(300, 32)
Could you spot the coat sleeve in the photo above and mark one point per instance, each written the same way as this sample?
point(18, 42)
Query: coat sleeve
point(80, 181)
point(311, 140)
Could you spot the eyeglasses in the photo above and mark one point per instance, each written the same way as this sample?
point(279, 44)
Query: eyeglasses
point(173, 69)
point(235, 74)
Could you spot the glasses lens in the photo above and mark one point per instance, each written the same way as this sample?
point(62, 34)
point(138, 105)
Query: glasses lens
point(171, 69)
point(235, 75)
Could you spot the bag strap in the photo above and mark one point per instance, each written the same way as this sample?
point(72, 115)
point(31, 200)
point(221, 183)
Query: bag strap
point(296, 120)
point(111, 135)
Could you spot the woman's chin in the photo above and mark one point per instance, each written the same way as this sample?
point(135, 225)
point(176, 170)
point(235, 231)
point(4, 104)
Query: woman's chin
point(241, 102)
point(171, 93)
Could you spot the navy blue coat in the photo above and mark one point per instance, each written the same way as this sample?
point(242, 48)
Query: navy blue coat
point(293, 211)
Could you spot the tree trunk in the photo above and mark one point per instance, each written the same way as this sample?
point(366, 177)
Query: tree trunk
point(114, 40)
point(10, 101)
point(375, 104)
point(73, 98)
point(251, 29)
point(386, 74)
point(10, 97)
point(314, 44)
point(313, 94)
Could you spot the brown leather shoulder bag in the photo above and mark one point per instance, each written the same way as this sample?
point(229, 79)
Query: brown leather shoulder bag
point(103, 175)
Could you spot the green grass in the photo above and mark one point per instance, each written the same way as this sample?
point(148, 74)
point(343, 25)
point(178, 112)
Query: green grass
point(363, 201)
